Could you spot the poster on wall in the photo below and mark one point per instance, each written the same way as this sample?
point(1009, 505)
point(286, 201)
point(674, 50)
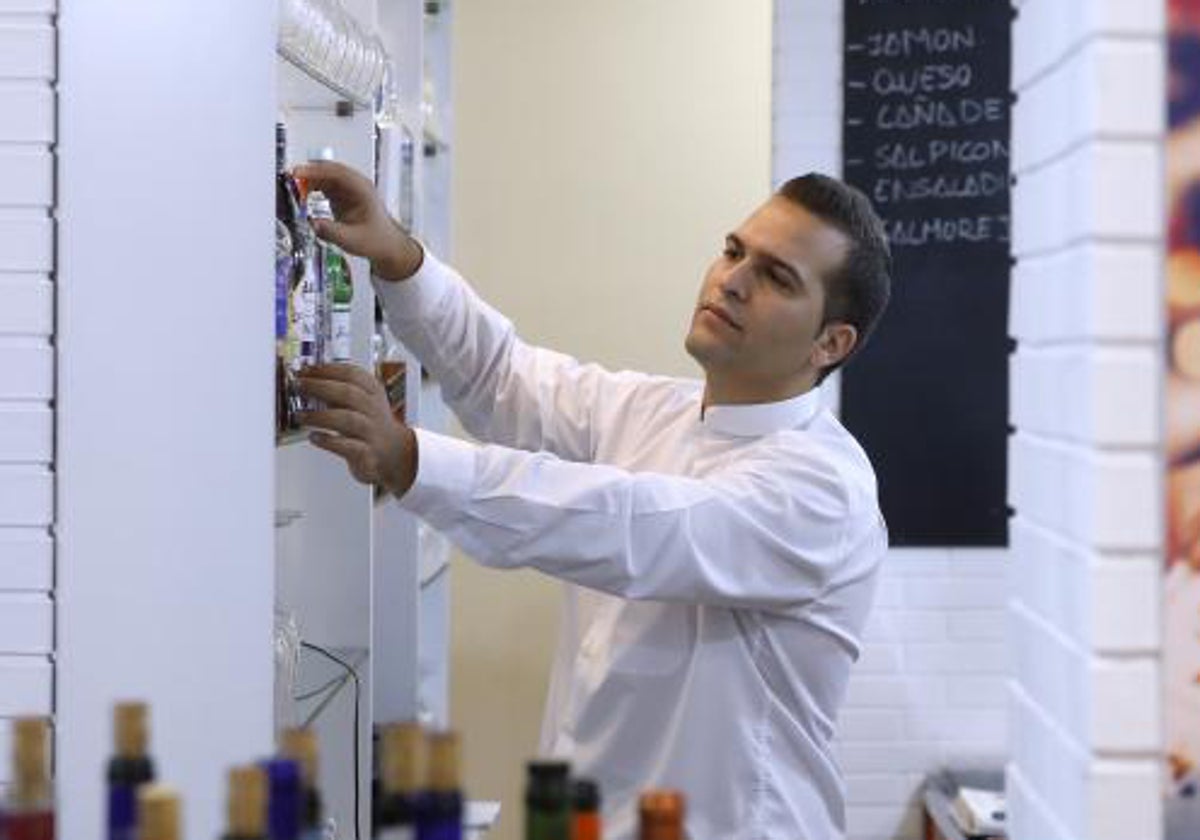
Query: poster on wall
point(926, 136)
point(1181, 600)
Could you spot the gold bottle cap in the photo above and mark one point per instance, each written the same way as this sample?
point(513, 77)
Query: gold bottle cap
point(402, 744)
point(443, 761)
point(131, 728)
point(31, 761)
point(158, 813)
point(247, 801)
point(300, 745)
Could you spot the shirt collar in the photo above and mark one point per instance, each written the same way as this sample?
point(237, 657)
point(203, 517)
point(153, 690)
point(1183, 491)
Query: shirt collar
point(760, 419)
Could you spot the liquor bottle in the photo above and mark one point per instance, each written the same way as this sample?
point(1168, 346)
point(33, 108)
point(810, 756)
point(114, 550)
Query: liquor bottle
point(284, 799)
point(341, 295)
point(30, 812)
point(247, 804)
point(586, 823)
point(547, 801)
point(128, 769)
point(401, 781)
point(289, 265)
point(158, 813)
point(440, 805)
point(300, 745)
point(660, 815)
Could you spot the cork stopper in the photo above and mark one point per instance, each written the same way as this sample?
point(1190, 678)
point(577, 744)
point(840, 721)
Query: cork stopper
point(661, 815)
point(247, 801)
point(300, 745)
point(31, 762)
point(443, 762)
point(402, 744)
point(158, 813)
point(131, 729)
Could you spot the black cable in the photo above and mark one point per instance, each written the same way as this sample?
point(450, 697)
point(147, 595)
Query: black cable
point(316, 692)
point(357, 703)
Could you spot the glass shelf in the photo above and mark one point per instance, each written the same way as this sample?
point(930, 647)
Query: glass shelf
point(319, 681)
point(312, 72)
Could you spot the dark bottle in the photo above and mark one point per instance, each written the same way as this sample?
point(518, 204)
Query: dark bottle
point(290, 229)
point(660, 815)
point(300, 745)
point(30, 812)
point(401, 781)
point(547, 801)
point(284, 799)
point(158, 813)
point(128, 769)
point(586, 823)
point(440, 806)
point(247, 803)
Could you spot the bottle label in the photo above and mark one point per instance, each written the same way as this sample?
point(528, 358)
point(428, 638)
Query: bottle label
point(397, 832)
point(341, 333)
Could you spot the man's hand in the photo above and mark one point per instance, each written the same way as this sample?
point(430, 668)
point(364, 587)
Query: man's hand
point(363, 226)
point(375, 446)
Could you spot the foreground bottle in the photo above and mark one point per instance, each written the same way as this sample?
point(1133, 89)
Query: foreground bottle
point(158, 813)
point(300, 745)
point(30, 811)
point(401, 781)
point(547, 801)
point(128, 769)
point(284, 799)
point(586, 823)
point(660, 815)
point(247, 803)
point(440, 809)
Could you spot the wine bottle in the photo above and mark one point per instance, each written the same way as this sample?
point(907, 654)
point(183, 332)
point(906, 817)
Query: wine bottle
point(547, 801)
point(247, 804)
point(401, 781)
point(300, 745)
point(129, 768)
point(30, 814)
point(284, 799)
point(158, 813)
point(440, 805)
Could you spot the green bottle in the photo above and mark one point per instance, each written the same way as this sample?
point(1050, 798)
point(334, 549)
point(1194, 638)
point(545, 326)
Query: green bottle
point(548, 801)
point(341, 294)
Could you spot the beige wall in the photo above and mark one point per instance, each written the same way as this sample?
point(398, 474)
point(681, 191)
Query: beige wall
point(602, 151)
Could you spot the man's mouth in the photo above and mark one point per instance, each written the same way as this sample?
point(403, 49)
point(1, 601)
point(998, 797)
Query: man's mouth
point(716, 310)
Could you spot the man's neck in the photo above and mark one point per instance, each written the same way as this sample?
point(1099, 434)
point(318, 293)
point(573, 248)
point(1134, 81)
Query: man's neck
point(717, 392)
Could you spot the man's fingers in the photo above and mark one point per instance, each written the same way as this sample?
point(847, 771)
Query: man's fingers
point(346, 423)
point(352, 451)
point(313, 380)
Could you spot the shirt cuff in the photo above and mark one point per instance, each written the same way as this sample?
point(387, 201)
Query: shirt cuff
point(415, 297)
point(445, 475)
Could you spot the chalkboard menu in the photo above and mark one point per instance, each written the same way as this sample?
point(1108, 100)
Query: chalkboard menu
point(926, 137)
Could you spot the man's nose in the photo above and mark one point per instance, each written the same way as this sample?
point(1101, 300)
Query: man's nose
point(736, 282)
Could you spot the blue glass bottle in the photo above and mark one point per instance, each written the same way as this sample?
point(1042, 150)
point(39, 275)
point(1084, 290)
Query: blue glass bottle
point(285, 799)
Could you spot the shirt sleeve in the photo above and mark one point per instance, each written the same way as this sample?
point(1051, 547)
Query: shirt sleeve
point(769, 533)
point(502, 390)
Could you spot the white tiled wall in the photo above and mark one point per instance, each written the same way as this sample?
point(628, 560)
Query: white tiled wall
point(27, 130)
point(1085, 470)
point(930, 687)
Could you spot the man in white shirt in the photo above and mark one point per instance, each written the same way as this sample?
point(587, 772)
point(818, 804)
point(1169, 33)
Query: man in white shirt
point(720, 539)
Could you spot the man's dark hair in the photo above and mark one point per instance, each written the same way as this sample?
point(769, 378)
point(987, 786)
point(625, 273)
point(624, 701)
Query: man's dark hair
point(858, 291)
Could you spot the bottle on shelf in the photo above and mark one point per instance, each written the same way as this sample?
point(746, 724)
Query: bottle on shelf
point(247, 803)
point(29, 814)
point(547, 801)
point(440, 805)
point(284, 799)
point(289, 266)
point(300, 745)
point(660, 815)
point(586, 823)
point(401, 781)
point(158, 813)
point(129, 768)
point(337, 289)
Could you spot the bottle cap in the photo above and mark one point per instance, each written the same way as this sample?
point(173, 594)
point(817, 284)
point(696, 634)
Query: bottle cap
point(247, 802)
point(443, 762)
point(31, 765)
point(131, 728)
point(300, 745)
point(402, 744)
point(585, 795)
point(318, 206)
point(657, 807)
point(547, 785)
point(158, 813)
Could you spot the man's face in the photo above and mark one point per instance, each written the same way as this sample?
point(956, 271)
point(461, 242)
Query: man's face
point(757, 327)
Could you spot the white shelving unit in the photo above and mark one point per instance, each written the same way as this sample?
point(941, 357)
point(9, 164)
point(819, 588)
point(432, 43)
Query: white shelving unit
point(180, 524)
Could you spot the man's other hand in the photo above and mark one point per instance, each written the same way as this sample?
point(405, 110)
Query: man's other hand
point(361, 224)
point(375, 446)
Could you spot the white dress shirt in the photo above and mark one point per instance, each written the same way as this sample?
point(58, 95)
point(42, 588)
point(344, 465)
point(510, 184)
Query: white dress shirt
point(719, 564)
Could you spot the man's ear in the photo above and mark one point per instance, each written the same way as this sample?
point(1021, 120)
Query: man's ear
point(835, 342)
